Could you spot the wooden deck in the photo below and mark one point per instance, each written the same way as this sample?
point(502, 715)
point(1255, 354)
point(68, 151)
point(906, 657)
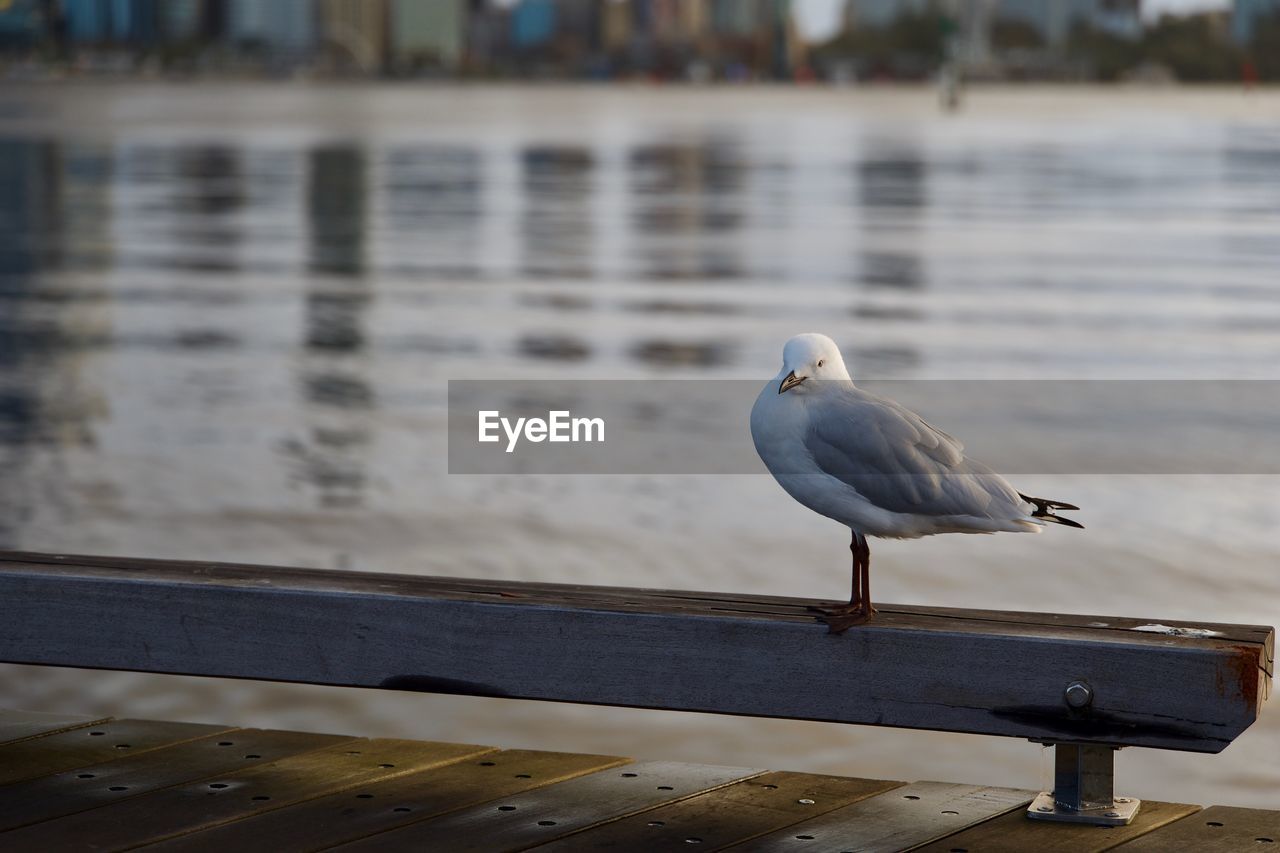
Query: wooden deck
point(71, 784)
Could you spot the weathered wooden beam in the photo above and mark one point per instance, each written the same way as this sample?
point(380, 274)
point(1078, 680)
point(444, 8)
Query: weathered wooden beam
point(988, 672)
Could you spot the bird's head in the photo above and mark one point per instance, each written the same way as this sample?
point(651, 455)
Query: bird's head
point(810, 356)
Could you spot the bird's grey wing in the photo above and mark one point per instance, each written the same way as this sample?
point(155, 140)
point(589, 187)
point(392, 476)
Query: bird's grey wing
point(900, 463)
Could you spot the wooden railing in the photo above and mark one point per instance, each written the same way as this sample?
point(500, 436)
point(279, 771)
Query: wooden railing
point(1088, 679)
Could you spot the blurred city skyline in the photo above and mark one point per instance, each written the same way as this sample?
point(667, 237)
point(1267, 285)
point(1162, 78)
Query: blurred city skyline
point(691, 40)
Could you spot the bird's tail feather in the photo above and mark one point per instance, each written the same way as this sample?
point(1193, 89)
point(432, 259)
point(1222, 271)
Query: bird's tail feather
point(1044, 510)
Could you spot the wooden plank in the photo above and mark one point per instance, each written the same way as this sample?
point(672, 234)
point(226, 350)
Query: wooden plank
point(1217, 829)
point(545, 814)
point(644, 597)
point(67, 750)
point(21, 725)
point(974, 671)
point(1015, 833)
point(232, 796)
point(132, 775)
point(725, 816)
point(369, 809)
point(901, 819)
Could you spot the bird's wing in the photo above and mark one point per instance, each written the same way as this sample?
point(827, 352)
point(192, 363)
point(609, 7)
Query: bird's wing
point(900, 463)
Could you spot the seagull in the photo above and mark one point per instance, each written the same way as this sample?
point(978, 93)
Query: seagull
point(876, 466)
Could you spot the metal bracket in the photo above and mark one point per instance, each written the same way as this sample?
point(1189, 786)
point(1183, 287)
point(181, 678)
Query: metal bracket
point(1083, 788)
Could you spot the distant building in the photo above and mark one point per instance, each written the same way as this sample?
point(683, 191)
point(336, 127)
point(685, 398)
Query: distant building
point(533, 23)
point(356, 31)
point(488, 34)
point(578, 21)
point(113, 21)
point(695, 18)
point(1053, 20)
point(181, 20)
point(739, 17)
point(970, 44)
point(425, 34)
point(285, 28)
point(881, 13)
point(1120, 17)
point(20, 23)
point(1247, 14)
point(615, 25)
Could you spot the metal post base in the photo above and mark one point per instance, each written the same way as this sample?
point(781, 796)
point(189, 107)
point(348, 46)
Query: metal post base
point(1121, 812)
point(1082, 788)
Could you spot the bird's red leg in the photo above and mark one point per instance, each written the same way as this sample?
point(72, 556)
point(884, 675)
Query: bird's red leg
point(842, 617)
point(855, 548)
point(867, 609)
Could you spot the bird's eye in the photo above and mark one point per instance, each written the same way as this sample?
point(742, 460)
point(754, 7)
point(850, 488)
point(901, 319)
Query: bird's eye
point(819, 362)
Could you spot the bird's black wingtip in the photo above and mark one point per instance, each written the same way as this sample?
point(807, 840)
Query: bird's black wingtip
point(1044, 509)
point(1044, 505)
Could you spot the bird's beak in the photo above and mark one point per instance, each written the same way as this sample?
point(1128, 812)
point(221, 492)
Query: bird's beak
point(790, 382)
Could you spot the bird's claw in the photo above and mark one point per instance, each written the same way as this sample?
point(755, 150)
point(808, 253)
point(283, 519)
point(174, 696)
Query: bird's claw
point(841, 617)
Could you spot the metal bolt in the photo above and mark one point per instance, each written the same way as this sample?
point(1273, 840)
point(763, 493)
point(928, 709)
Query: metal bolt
point(1122, 799)
point(1112, 814)
point(805, 802)
point(1043, 809)
point(1078, 694)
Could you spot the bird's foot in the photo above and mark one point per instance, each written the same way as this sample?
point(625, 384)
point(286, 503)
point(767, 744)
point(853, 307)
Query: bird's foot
point(841, 617)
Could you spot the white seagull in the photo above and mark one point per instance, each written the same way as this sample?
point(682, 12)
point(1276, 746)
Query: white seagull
point(876, 466)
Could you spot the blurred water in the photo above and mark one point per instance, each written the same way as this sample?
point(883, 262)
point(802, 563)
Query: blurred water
point(227, 316)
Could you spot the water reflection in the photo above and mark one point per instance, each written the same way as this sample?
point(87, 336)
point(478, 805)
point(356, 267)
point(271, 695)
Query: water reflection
point(433, 213)
point(892, 190)
point(669, 353)
point(31, 206)
point(893, 179)
point(43, 400)
point(557, 224)
point(894, 270)
point(209, 192)
point(30, 198)
point(336, 205)
point(555, 347)
point(407, 254)
point(687, 199)
point(334, 319)
point(330, 456)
